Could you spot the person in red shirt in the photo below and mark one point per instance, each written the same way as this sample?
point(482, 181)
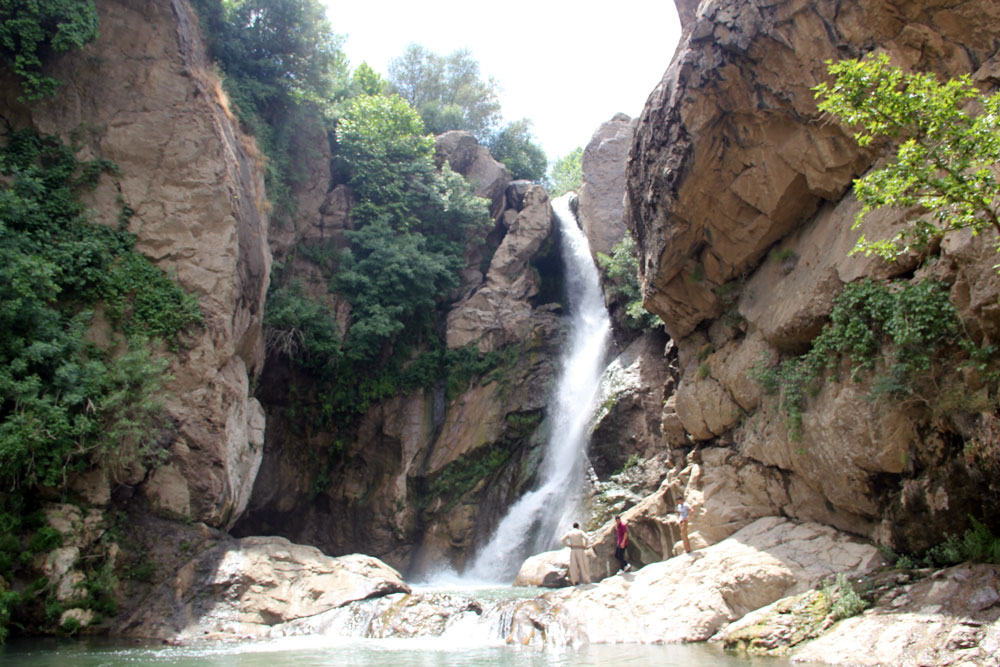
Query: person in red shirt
point(621, 541)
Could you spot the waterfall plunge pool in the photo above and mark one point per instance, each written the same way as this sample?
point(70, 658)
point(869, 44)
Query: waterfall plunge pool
point(349, 652)
point(466, 641)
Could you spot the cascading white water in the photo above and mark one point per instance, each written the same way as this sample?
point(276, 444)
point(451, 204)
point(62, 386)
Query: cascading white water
point(534, 523)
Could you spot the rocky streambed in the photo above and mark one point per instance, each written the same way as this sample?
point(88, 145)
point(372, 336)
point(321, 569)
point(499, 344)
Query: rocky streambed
point(759, 590)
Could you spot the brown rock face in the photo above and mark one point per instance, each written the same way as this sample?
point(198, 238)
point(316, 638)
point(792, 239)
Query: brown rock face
point(144, 96)
point(730, 154)
point(603, 191)
point(738, 194)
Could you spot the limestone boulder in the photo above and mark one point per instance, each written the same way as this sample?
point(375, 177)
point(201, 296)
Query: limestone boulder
point(155, 108)
point(844, 445)
point(692, 596)
point(241, 588)
point(549, 569)
point(630, 396)
point(602, 193)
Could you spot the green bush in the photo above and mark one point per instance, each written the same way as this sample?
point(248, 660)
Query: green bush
point(897, 328)
point(30, 28)
point(842, 600)
point(621, 270)
point(66, 403)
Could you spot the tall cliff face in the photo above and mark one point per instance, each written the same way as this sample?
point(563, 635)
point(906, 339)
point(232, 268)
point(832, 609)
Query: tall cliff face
point(730, 160)
point(144, 97)
point(418, 478)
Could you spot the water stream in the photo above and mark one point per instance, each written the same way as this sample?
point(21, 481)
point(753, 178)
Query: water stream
point(534, 523)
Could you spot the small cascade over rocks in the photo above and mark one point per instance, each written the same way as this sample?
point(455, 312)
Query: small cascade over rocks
point(534, 522)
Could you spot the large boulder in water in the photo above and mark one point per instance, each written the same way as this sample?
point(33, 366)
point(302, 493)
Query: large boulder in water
point(241, 588)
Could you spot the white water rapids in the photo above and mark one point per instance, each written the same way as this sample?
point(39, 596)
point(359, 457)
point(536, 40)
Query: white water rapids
point(534, 523)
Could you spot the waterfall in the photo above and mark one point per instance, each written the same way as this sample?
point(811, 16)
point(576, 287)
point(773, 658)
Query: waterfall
point(535, 522)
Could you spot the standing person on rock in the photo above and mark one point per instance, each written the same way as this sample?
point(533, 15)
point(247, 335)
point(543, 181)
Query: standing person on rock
point(621, 541)
point(579, 568)
point(683, 513)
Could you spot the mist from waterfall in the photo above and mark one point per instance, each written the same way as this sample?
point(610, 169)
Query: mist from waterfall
point(534, 523)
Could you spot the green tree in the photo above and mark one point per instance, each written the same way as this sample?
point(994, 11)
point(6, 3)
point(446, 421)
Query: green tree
point(567, 173)
point(447, 91)
point(366, 81)
point(29, 28)
point(621, 271)
point(946, 161)
point(514, 145)
point(413, 223)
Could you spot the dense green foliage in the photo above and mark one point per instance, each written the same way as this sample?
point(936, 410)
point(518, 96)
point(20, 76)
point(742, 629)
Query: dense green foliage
point(621, 272)
point(66, 402)
point(567, 173)
point(447, 91)
point(30, 29)
point(946, 162)
point(412, 223)
point(896, 329)
point(514, 146)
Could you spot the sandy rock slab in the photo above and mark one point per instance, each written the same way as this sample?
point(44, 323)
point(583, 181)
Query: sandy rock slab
point(950, 618)
point(242, 588)
point(690, 597)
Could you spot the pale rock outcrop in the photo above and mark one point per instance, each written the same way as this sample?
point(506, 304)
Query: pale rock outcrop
point(499, 312)
point(949, 618)
point(467, 157)
point(146, 98)
point(630, 395)
point(738, 194)
point(241, 588)
point(602, 193)
point(690, 597)
point(549, 569)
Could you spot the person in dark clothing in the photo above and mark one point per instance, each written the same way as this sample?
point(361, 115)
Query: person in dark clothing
point(621, 541)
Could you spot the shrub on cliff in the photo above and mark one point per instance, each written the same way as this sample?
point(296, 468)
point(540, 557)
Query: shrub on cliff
point(621, 272)
point(413, 223)
point(65, 402)
point(945, 165)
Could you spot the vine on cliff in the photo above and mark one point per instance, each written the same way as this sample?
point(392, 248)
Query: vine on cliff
point(896, 329)
point(30, 29)
point(68, 403)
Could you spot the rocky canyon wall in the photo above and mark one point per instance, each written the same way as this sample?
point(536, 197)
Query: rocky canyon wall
point(739, 194)
point(145, 97)
point(420, 478)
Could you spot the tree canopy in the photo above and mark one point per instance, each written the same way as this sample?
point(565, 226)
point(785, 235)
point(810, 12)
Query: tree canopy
point(567, 173)
point(448, 92)
point(514, 146)
point(946, 161)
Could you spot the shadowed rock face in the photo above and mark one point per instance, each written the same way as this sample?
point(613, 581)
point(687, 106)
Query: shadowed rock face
point(144, 97)
point(738, 194)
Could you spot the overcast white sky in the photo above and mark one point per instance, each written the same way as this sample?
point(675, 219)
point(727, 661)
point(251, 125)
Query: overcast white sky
point(567, 66)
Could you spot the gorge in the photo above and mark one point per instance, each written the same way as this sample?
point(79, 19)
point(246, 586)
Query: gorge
point(290, 485)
